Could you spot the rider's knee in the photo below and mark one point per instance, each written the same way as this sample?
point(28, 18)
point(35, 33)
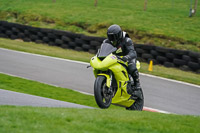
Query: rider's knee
point(132, 68)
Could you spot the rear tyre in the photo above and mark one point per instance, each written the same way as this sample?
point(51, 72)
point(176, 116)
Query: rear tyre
point(103, 99)
point(138, 104)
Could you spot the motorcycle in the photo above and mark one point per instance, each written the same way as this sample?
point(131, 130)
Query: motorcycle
point(113, 84)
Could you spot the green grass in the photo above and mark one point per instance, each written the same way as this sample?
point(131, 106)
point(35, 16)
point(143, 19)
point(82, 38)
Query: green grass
point(45, 49)
point(36, 88)
point(51, 120)
point(165, 23)
point(31, 47)
point(172, 73)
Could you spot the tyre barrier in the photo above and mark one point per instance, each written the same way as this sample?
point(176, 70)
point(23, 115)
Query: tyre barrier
point(185, 60)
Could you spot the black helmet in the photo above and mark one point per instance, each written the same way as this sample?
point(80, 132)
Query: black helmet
point(114, 34)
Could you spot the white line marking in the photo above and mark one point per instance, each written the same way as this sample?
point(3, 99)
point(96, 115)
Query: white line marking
point(45, 83)
point(79, 62)
point(45, 56)
point(172, 80)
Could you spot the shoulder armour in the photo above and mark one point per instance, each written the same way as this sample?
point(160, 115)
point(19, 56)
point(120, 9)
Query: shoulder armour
point(125, 34)
point(128, 41)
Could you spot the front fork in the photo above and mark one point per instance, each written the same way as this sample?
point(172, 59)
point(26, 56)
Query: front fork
point(109, 78)
point(110, 90)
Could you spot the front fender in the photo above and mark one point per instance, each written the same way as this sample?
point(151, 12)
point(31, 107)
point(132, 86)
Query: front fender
point(108, 79)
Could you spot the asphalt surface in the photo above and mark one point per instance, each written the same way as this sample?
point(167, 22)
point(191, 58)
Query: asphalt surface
point(21, 99)
point(159, 93)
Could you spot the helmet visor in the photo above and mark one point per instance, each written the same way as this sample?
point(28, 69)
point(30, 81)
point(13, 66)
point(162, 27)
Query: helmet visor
point(112, 37)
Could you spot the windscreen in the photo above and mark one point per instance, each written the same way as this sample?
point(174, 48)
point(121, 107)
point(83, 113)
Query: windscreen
point(105, 50)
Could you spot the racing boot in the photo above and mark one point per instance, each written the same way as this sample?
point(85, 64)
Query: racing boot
point(137, 90)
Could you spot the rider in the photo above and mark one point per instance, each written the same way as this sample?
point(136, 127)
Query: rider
point(125, 48)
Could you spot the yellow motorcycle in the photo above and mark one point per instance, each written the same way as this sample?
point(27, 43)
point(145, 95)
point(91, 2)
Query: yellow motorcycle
point(113, 84)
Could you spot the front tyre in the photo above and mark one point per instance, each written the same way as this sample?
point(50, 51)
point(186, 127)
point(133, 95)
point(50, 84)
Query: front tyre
point(101, 94)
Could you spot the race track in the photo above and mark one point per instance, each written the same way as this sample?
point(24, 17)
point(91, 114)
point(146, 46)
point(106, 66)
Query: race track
point(171, 96)
point(21, 99)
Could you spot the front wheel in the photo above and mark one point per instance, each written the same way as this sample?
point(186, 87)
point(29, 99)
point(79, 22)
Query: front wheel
point(101, 93)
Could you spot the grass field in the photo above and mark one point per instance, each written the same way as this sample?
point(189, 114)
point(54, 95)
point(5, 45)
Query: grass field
point(31, 47)
point(165, 22)
point(66, 120)
point(39, 89)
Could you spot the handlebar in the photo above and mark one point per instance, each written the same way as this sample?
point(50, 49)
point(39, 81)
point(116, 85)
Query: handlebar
point(119, 58)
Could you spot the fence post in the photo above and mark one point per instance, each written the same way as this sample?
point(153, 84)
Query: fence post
point(145, 5)
point(195, 6)
point(95, 3)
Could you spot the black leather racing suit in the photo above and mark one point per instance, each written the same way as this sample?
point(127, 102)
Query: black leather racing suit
point(125, 48)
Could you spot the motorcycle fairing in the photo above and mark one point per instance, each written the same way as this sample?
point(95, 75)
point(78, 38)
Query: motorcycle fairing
point(122, 79)
point(121, 75)
point(104, 61)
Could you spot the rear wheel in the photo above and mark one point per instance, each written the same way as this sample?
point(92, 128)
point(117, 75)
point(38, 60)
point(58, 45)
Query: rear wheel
point(102, 96)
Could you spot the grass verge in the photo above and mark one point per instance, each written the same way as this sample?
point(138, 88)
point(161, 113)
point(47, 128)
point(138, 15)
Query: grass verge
point(164, 23)
point(31, 47)
point(44, 49)
point(37, 119)
point(39, 89)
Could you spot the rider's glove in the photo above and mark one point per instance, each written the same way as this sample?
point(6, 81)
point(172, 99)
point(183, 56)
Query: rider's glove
point(125, 58)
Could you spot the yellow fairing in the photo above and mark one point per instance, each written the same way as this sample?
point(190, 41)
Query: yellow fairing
point(121, 97)
point(111, 62)
point(96, 63)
